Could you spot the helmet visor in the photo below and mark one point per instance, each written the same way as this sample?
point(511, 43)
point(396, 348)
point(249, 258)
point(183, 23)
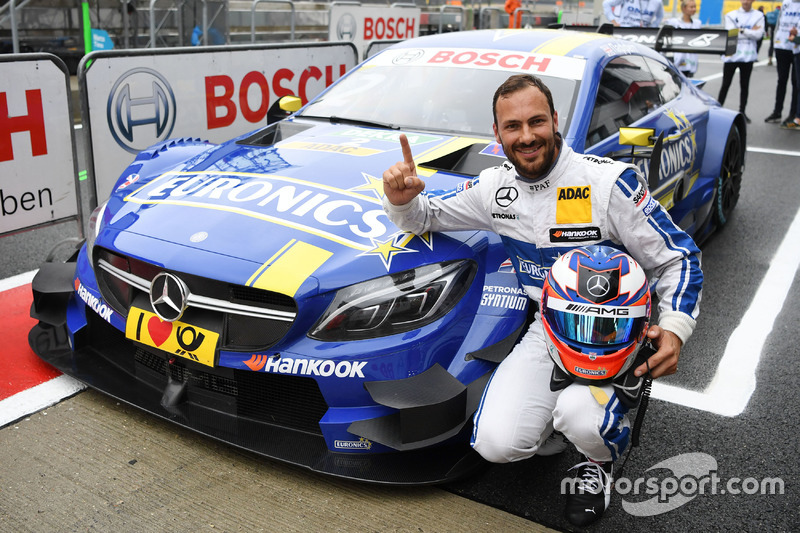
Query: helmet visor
point(595, 324)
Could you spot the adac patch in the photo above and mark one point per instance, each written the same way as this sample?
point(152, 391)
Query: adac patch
point(574, 205)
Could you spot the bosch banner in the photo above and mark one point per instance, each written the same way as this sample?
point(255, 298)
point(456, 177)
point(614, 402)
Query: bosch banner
point(364, 25)
point(38, 168)
point(135, 99)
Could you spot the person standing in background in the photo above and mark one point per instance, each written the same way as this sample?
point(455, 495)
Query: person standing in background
point(634, 13)
point(511, 7)
point(686, 63)
point(787, 54)
point(771, 19)
point(750, 23)
point(760, 41)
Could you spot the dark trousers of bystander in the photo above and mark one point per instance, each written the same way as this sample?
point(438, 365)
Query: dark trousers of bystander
point(786, 72)
point(728, 69)
point(796, 93)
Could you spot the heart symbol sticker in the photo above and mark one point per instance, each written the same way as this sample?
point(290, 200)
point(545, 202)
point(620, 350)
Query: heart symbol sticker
point(159, 331)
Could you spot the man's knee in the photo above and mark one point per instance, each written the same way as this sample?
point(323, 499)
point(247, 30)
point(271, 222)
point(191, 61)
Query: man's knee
point(493, 451)
point(576, 413)
point(500, 444)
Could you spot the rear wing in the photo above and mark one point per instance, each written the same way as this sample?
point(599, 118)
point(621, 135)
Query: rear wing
point(669, 39)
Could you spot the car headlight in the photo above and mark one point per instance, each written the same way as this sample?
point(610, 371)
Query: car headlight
point(94, 228)
point(395, 303)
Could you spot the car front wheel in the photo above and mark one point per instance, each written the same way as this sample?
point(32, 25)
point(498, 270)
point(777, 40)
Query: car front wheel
point(729, 181)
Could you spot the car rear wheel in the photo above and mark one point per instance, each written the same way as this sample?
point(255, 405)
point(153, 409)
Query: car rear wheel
point(729, 181)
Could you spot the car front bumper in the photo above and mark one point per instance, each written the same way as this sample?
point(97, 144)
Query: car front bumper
point(272, 415)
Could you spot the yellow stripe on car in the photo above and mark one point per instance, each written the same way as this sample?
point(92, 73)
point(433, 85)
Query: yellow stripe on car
point(286, 271)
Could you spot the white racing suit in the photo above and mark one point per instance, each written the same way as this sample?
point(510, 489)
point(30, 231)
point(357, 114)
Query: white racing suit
point(634, 13)
point(582, 200)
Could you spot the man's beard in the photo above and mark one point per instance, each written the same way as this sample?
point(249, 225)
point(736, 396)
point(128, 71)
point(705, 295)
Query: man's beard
point(533, 170)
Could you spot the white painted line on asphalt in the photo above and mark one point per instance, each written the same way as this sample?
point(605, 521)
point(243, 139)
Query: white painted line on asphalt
point(15, 281)
point(718, 75)
point(772, 151)
point(43, 395)
point(735, 381)
point(36, 398)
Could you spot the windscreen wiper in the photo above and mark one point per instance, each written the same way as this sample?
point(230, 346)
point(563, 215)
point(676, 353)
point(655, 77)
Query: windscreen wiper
point(356, 122)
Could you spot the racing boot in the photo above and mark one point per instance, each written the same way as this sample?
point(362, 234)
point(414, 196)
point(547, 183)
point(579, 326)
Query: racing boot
point(590, 492)
point(555, 443)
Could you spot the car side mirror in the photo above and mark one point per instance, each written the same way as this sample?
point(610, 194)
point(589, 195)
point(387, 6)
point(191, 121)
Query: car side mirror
point(637, 136)
point(283, 107)
point(645, 137)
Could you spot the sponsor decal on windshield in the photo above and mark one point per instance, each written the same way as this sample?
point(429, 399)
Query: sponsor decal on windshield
point(485, 59)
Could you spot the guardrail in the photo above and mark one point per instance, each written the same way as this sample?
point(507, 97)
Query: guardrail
point(253, 17)
point(170, 23)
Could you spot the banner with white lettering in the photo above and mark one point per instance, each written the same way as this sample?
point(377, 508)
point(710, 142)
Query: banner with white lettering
point(38, 168)
point(362, 25)
point(136, 99)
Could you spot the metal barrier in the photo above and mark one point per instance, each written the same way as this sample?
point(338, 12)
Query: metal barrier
point(521, 10)
point(451, 8)
point(253, 16)
point(482, 11)
point(14, 35)
point(179, 23)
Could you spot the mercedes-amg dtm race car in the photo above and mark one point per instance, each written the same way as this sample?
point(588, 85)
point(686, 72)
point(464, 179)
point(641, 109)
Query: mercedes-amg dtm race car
point(254, 291)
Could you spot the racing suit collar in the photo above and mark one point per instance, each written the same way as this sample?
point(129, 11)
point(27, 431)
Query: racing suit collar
point(560, 145)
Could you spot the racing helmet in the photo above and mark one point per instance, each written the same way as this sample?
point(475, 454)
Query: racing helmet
point(595, 311)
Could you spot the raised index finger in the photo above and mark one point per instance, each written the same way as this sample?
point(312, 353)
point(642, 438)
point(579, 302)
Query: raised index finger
point(408, 157)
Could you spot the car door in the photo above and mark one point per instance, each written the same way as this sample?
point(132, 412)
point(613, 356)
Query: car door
point(638, 91)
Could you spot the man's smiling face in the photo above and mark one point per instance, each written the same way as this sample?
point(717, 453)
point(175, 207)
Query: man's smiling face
point(527, 131)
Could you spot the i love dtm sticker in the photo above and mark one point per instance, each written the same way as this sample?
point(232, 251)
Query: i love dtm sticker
point(179, 338)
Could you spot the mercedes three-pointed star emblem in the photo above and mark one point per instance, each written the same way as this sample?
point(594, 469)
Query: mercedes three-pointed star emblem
point(598, 286)
point(168, 296)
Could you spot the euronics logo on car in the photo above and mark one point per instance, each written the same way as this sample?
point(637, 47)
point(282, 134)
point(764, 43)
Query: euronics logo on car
point(346, 217)
point(362, 444)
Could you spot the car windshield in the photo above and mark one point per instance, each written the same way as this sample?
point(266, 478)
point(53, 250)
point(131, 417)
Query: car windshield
point(429, 98)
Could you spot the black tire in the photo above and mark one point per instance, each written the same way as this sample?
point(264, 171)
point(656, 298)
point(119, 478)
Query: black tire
point(729, 181)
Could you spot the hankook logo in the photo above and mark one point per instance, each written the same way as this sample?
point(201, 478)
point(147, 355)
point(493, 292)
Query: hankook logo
point(141, 109)
point(506, 196)
point(346, 28)
point(168, 295)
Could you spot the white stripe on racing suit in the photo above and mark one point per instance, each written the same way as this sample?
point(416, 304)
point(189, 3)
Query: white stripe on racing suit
point(583, 200)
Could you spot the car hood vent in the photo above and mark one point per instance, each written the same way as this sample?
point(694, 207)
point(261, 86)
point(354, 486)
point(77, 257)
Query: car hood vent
point(467, 161)
point(275, 133)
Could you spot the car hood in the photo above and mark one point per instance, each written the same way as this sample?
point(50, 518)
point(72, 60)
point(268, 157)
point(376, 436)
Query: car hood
point(294, 208)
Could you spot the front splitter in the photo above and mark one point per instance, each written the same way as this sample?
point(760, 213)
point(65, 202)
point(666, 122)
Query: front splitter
point(439, 464)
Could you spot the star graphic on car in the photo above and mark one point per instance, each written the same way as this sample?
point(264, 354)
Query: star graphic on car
point(397, 244)
point(373, 184)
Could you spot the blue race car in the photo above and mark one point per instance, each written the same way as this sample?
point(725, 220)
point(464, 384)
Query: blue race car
point(254, 291)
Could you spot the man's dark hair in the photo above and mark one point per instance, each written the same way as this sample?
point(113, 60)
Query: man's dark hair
point(516, 83)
